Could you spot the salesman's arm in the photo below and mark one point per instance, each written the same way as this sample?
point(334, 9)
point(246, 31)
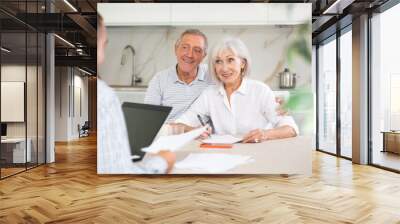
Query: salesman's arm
point(160, 163)
point(153, 92)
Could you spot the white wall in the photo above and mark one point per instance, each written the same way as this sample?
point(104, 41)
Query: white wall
point(71, 87)
point(80, 110)
point(62, 80)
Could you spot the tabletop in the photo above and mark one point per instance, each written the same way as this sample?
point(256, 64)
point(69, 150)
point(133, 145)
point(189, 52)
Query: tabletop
point(282, 156)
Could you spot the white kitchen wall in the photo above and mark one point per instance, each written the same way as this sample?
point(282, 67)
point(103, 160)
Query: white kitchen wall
point(154, 51)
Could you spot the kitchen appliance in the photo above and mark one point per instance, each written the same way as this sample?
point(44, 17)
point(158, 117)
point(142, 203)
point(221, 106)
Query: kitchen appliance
point(287, 80)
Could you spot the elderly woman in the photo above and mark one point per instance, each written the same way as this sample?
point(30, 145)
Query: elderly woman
point(238, 105)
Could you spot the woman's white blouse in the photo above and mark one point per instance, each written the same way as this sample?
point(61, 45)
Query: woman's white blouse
point(252, 106)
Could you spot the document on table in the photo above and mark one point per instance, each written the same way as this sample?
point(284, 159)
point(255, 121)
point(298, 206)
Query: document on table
point(222, 139)
point(212, 162)
point(174, 142)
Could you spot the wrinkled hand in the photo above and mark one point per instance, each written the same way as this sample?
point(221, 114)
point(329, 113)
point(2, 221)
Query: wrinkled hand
point(207, 133)
point(175, 128)
point(255, 136)
point(169, 156)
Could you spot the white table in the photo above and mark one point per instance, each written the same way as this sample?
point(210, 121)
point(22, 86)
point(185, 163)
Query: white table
point(18, 149)
point(283, 156)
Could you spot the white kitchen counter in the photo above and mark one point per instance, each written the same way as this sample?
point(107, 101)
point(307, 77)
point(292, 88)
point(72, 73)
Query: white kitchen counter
point(131, 94)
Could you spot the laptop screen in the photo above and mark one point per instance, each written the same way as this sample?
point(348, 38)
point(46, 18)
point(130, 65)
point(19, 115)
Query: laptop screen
point(143, 121)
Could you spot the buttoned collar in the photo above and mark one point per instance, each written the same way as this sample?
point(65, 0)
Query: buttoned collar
point(243, 88)
point(201, 73)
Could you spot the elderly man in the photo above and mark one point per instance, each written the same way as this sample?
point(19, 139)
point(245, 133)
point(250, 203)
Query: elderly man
point(181, 84)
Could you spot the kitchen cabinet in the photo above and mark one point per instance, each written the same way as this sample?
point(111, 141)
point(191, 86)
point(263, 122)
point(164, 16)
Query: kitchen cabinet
point(218, 14)
point(288, 14)
point(138, 14)
point(183, 14)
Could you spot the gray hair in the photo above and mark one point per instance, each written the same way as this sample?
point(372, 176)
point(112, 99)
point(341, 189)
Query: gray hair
point(193, 32)
point(237, 47)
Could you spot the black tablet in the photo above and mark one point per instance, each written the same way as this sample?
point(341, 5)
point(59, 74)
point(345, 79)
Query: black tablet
point(143, 122)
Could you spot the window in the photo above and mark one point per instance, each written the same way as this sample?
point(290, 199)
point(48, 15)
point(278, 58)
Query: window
point(327, 97)
point(346, 93)
point(22, 65)
point(385, 89)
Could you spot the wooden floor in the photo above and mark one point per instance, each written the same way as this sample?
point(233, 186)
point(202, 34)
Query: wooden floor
point(10, 171)
point(70, 191)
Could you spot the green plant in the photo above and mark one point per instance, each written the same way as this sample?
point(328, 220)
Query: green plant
point(302, 101)
point(300, 45)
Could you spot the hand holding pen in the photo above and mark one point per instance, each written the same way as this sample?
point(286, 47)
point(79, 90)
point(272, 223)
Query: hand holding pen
point(208, 131)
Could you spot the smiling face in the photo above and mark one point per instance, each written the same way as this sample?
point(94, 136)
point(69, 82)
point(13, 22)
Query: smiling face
point(190, 53)
point(228, 67)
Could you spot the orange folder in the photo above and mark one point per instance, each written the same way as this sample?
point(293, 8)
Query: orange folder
point(216, 146)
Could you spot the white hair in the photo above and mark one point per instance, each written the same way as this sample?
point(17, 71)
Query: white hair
point(237, 47)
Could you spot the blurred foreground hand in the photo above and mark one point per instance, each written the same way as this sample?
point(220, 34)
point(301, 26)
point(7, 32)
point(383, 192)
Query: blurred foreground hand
point(169, 156)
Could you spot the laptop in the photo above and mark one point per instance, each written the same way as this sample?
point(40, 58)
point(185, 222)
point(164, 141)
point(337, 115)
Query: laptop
point(143, 122)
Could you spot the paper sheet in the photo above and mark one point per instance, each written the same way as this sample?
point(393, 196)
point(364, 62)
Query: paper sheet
point(174, 142)
point(222, 139)
point(212, 162)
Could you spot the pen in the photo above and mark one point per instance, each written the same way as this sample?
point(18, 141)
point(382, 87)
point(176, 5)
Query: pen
point(211, 124)
point(201, 121)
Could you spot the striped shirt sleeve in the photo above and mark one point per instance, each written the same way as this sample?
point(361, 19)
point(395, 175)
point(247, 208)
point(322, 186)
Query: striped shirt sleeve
point(153, 92)
point(198, 108)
